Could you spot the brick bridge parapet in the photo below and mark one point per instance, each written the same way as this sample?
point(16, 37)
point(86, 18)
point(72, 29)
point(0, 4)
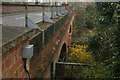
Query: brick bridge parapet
point(38, 66)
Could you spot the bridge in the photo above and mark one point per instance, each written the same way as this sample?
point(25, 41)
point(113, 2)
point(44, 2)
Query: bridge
point(47, 28)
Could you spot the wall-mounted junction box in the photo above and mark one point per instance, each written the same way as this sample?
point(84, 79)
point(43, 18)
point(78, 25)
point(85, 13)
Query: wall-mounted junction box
point(27, 51)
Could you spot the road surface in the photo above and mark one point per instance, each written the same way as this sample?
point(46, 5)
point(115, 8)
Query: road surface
point(19, 19)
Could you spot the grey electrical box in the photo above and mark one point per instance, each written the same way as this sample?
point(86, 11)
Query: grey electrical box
point(27, 51)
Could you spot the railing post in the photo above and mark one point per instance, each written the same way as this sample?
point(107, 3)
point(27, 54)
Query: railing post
point(43, 37)
point(51, 11)
point(53, 66)
point(26, 15)
point(60, 10)
point(57, 10)
point(43, 14)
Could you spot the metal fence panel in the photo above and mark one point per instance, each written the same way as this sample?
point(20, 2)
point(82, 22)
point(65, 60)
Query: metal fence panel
point(62, 70)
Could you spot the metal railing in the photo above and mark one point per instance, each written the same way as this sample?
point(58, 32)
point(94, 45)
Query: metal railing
point(16, 8)
point(64, 70)
point(15, 14)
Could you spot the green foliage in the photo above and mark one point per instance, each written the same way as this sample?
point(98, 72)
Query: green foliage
point(97, 71)
point(89, 14)
point(107, 11)
point(105, 43)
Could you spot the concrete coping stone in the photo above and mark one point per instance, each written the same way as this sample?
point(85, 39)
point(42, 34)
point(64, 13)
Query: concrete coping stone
point(14, 35)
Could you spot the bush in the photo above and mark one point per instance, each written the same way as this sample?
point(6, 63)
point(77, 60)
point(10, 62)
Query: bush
point(79, 54)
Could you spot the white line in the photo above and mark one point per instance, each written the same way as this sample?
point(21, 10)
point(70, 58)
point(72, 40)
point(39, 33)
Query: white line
point(36, 14)
point(39, 14)
point(20, 17)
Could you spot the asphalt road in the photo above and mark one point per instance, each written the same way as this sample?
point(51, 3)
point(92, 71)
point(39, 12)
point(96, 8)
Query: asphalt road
point(19, 19)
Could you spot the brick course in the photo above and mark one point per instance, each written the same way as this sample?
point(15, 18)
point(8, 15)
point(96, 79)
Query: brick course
point(12, 64)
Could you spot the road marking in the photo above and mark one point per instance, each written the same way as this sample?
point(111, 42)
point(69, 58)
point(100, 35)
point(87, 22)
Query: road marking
point(39, 14)
point(20, 17)
point(36, 14)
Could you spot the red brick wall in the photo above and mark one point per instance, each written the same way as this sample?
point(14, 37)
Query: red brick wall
point(0, 67)
point(40, 66)
point(12, 65)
